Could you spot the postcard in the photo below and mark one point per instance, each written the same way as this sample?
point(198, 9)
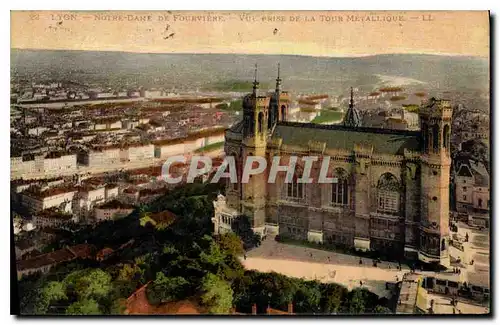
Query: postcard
point(289, 163)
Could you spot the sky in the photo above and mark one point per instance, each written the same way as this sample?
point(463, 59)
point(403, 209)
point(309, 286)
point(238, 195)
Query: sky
point(315, 33)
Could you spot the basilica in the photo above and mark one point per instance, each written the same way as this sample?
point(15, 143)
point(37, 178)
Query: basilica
point(390, 191)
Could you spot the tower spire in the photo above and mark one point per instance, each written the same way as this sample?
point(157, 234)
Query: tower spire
point(351, 102)
point(278, 80)
point(255, 82)
point(352, 117)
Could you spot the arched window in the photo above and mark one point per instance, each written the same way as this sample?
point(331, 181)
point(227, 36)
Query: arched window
point(443, 244)
point(435, 138)
point(340, 188)
point(295, 191)
point(270, 117)
point(446, 137)
point(261, 120)
point(480, 203)
point(283, 112)
point(231, 185)
point(426, 136)
point(388, 194)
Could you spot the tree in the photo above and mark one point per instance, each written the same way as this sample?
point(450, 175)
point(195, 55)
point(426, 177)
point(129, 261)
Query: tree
point(332, 296)
point(243, 229)
point(146, 219)
point(217, 295)
point(129, 277)
point(214, 256)
point(382, 310)
point(307, 297)
point(130, 273)
point(273, 288)
point(165, 289)
point(231, 244)
point(29, 295)
point(118, 306)
point(54, 291)
point(232, 269)
point(360, 301)
point(88, 283)
point(84, 307)
point(170, 249)
point(356, 302)
point(242, 293)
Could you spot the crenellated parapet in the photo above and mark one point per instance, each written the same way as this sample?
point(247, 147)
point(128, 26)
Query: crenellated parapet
point(340, 153)
point(284, 96)
point(316, 147)
point(387, 160)
point(251, 102)
point(436, 108)
point(294, 149)
point(274, 143)
point(362, 150)
point(262, 101)
point(412, 155)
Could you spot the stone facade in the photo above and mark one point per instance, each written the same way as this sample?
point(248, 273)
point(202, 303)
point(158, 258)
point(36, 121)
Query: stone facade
point(390, 190)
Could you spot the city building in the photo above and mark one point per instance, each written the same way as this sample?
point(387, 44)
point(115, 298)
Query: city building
point(180, 146)
point(472, 192)
point(412, 297)
point(138, 304)
point(26, 166)
point(89, 196)
point(403, 121)
point(112, 210)
point(391, 187)
point(107, 124)
point(137, 152)
point(43, 263)
point(39, 165)
point(52, 218)
point(111, 192)
point(99, 156)
point(57, 162)
point(36, 198)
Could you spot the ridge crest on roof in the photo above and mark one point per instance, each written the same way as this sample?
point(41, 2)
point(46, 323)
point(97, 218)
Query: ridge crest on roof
point(340, 127)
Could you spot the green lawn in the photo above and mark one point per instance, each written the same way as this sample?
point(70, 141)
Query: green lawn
point(236, 105)
point(235, 85)
point(210, 147)
point(328, 116)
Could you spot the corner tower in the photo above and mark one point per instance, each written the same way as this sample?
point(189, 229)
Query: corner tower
point(254, 143)
point(435, 123)
point(279, 104)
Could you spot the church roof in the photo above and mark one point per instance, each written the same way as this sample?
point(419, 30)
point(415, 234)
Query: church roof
point(237, 127)
point(481, 175)
point(385, 141)
point(476, 170)
point(352, 118)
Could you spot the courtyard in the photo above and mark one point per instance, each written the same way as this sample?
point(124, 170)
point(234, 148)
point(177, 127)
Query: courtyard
point(324, 266)
point(327, 266)
point(477, 251)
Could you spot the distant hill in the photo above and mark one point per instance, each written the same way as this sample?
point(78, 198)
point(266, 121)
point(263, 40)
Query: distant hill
point(210, 71)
